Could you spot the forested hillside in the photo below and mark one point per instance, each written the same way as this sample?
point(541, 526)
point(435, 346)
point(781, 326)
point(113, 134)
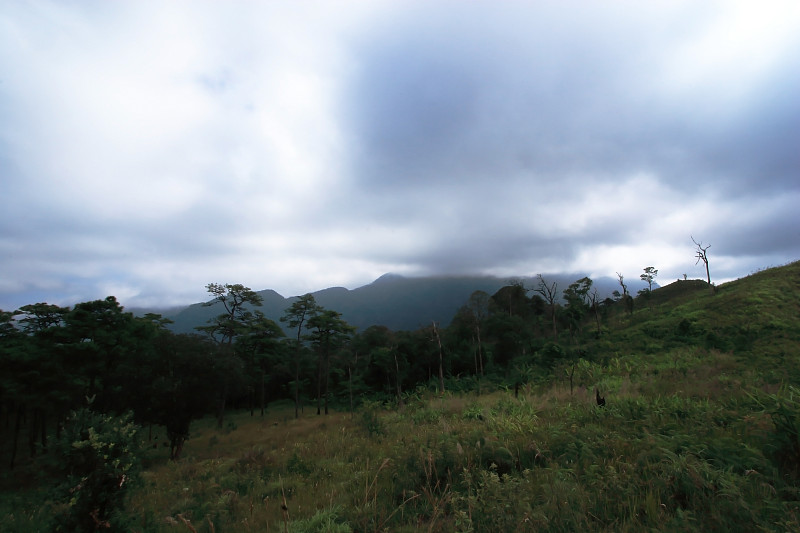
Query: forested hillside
point(537, 408)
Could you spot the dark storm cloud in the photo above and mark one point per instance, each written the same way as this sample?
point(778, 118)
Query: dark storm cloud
point(442, 100)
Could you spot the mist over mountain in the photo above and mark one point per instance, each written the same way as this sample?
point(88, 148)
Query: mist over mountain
point(395, 301)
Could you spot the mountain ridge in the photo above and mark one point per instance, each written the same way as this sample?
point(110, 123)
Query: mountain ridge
point(395, 301)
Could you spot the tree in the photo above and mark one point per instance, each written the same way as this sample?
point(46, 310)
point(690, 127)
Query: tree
point(330, 333)
point(177, 388)
point(226, 326)
point(594, 302)
point(478, 306)
point(649, 276)
point(548, 292)
point(16, 371)
point(626, 298)
point(441, 358)
point(259, 344)
point(577, 299)
point(702, 255)
point(303, 309)
point(98, 337)
point(378, 345)
point(40, 323)
point(512, 298)
point(37, 318)
point(509, 336)
point(96, 460)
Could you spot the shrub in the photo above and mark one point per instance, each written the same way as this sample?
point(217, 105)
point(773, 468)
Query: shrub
point(96, 457)
point(370, 421)
point(297, 465)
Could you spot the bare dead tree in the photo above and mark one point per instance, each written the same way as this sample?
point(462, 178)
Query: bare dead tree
point(627, 300)
point(622, 284)
point(594, 302)
point(702, 255)
point(549, 293)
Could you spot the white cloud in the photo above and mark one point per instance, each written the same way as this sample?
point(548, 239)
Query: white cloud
point(152, 148)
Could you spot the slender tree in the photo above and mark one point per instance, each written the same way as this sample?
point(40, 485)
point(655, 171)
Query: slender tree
point(259, 344)
point(226, 326)
point(627, 301)
point(478, 306)
point(577, 299)
point(441, 357)
point(296, 316)
point(594, 300)
point(330, 332)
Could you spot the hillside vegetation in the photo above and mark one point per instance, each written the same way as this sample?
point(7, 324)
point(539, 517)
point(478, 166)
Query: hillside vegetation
point(699, 431)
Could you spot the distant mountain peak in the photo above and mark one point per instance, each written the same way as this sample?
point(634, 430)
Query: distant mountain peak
point(389, 276)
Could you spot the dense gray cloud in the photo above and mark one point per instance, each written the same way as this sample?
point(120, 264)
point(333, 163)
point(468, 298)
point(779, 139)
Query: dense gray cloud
point(149, 148)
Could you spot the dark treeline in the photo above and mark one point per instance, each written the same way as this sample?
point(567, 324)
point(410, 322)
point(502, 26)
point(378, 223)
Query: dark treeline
point(53, 360)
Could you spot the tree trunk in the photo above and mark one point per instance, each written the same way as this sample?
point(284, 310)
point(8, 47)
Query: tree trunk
point(397, 381)
point(480, 349)
point(44, 431)
point(319, 384)
point(33, 430)
point(17, 425)
point(350, 387)
point(597, 319)
point(297, 378)
point(441, 362)
point(571, 377)
point(221, 408)
point(263, 393)
point(176, 447)
point(475, 357)
point(327, 376)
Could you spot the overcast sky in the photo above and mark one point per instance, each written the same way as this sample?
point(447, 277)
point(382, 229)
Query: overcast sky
point(149, 148)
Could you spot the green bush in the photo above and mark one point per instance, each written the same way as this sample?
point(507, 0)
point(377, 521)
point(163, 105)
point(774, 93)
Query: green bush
point(297, 465)
point(96, 459)
point(370, 421)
